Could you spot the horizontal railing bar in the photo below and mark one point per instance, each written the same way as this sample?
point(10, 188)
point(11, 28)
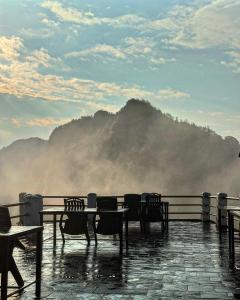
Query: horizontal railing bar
point(53, 205)
point(181, 196)
point(19, 216)
point(119, 196)
point(15, 204)
point(172, 204)
point(52, 197)
point(184, 213)
point(232, 198)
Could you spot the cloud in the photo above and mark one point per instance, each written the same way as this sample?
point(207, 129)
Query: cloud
point(9, 47)
point(72, 15)
point(128, 49)
point(42, 57)
point(39, 122)
point(212, 24)
point(101, 49)
point(22, 78)
point(233, 61)
point(172, 94)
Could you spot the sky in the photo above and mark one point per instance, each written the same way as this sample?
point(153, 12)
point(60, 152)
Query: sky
point(60, 60)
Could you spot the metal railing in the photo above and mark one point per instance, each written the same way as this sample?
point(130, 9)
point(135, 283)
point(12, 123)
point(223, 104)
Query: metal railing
point(18, 216)
point(59, 203)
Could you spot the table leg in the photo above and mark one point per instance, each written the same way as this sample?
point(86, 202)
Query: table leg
point(54, 231)
point(220, 223)
point(121, 235)
point(229, 234)
point(5, 267)
point(38, 264)
point(41, 219)
point(232, 238)
point(126, 230)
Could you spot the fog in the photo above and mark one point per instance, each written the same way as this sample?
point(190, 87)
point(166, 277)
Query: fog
point(138, 149)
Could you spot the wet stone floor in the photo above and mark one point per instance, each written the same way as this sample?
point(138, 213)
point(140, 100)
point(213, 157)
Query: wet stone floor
point(188, 262)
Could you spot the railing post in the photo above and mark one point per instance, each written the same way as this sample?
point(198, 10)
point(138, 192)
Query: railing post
point(222, 213)
point(30, 211)
point(91, 200)
point(206, 201)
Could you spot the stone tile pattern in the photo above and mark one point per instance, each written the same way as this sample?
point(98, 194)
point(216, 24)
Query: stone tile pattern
point(188, 262)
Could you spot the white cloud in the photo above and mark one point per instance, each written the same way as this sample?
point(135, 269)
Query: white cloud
point(101, 49)
point(172, 94)
point(233, 62)
point(22, 78)
point(68, 14)
point(39, 122)
point(213, 24)
point(9, 47)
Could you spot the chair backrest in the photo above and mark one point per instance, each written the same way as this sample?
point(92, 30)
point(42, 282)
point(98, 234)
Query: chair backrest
point(153, 208)
point(153, 199)
point(108, 223)
point(107, 203)
point(5, 220)
point(133, 201)
point(74, 204)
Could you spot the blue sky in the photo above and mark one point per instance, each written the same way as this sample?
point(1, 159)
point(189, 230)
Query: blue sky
point(60, 60)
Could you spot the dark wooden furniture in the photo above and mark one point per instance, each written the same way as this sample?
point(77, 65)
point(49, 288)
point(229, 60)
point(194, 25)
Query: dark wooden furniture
point(108, 223)
point(8, 237)
point(133, 203)
point(76, 223)
point(154, 210)
point(57, 211)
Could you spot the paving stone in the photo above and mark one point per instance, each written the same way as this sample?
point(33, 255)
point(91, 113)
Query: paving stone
point(188, 262)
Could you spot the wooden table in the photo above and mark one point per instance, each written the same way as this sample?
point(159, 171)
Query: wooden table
point(88, 211)
point(7, 237)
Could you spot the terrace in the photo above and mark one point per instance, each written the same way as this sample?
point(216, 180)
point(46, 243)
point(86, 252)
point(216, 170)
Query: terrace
point(189, 261)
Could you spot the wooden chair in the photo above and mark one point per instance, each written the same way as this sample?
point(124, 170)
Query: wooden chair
point(152, 210)
point(5, 223)
point(133, 202)
point(108, 224)
point(76, 223)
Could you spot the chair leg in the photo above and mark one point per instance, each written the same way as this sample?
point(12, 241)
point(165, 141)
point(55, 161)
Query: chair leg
point(141, 226)
point(94, 229)
point(87, 236)
point(63, 238)
point(15, 272)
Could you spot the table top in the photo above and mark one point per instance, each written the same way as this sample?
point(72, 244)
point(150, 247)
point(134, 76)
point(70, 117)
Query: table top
point(62, 210)
point(18, 231)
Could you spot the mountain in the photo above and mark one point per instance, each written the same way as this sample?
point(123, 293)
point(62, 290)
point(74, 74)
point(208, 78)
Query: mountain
point(138, 149)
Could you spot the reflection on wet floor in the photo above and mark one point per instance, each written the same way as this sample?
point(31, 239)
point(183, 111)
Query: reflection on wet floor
point(188, 262)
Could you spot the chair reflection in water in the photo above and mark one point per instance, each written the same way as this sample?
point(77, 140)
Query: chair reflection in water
point(5, 224)
point(76, 223)
point(133, 202)
point(108, 223)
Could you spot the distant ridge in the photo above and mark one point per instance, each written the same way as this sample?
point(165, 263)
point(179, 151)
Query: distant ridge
point(135, 150)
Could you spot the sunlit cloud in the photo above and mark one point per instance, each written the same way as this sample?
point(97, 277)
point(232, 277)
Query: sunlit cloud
point(9, 47)
point(22, 78)
point(72, 15)
point(39, 122)
point(101, 49)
